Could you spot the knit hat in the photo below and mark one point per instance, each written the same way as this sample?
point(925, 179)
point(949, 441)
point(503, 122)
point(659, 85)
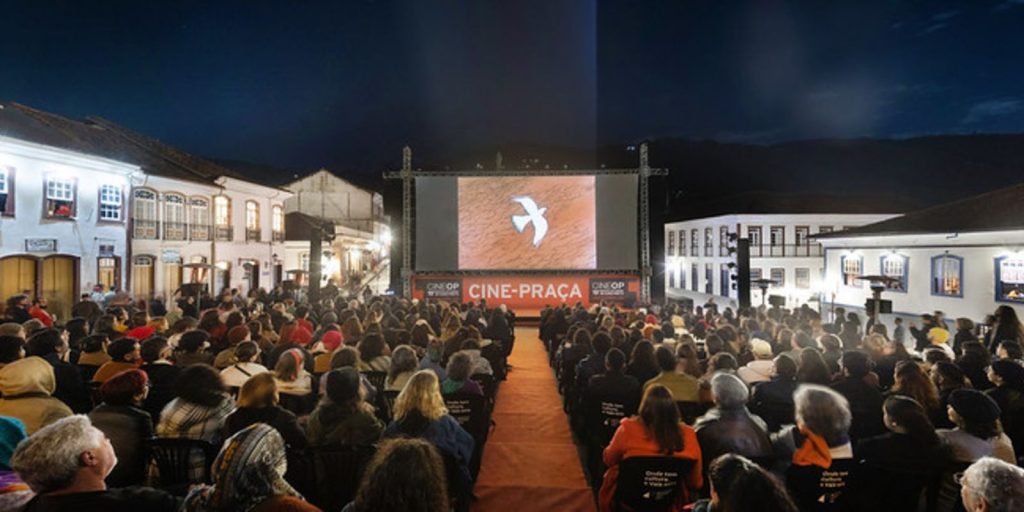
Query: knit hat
point(301, 336)
point(761, 348)
point(332, 340)
point(12, 431)
point(342, 384)
point(974, 406)
point(238, 334)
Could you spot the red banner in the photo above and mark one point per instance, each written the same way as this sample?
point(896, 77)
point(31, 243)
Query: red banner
point(530, 292)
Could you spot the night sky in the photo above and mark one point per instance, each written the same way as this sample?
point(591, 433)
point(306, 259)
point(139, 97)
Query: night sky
point(344, 85)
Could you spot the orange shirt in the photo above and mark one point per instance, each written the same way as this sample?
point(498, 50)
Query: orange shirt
point(631, 440)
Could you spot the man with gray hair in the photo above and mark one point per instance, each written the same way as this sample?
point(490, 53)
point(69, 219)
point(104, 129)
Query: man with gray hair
point(65, 463)
point(991, 485)
point(729, 427)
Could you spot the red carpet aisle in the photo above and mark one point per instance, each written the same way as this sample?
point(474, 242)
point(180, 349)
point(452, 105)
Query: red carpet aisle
point(530, 462)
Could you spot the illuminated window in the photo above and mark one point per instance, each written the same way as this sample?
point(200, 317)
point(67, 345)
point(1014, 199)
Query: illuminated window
point(947, 275)
point(709, 242)
point(852, 267)
point(895, 265)
point(60, 196)
point(6, 191)
point(671, 243)
point(1010, 279)
point(277, 218)
point(802, 278)
point(144, 217)
point(779, 276)
point(252, 215)
point(174, 217)
point(110, 202)
point(222, 211)
point(199, 218)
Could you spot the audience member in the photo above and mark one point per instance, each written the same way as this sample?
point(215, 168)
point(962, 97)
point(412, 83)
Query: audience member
point(14, 493)
point(125, 354)
point(863, 399)
point(738, 485)
point(728, 427)
point(403, 364)
point(405, 475)
point(26, 389)
point(258, 403)
point(198, 411)
point(343, 418)
point(684, 388)
point(992, 485)
point(760, 369)
point(125, 424)
point(977, 433)
point(772, 401)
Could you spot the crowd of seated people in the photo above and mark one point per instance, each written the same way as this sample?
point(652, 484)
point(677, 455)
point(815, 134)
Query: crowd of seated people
point(776, 409)
point(255, 393)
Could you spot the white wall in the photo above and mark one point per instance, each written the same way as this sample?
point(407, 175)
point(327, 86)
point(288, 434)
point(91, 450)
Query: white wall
point(80, 237)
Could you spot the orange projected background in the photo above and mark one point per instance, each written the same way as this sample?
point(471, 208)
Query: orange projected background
point(488, 239)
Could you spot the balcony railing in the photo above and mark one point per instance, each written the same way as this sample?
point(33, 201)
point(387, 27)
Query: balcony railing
point(199, 232)
point(252, 235)
point(145, 229)
point(224, 233)
point(175, 231)
point(278, 236)
point(786, 251)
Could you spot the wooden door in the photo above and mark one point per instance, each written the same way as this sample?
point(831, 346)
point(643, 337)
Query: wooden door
point(142, 276)
point(17, 273)
point(59, 284)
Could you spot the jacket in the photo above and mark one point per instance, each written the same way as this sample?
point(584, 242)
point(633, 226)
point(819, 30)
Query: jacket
point(334, 425)
point(722, 431)
point(759, 370)
point(127, 428)
point(772, 401)
point(684, 388)
point(161, 387)
point(281, 419)
point(27, 385)
point(631, 440)
point(865, 407)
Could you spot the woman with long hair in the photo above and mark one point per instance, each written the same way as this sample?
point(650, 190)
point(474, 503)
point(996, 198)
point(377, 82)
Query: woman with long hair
point(656, 431)
point(885, 366)
point(974, 362)
point(1006, 326)
point(343, 418)
point(911, 381)
point(403, 364)
point(258, 403)
point(248, 474)
point(642, 363)
point(899, 462)
point(739, 485)
point(405, 475)
point(420, 411)
point(291, 375)
point(374, 352)
point(813, 369)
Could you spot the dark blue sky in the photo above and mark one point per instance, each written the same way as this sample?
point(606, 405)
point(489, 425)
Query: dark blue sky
point(346, 84)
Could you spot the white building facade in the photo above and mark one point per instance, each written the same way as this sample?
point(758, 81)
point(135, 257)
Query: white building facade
point(63, 223)
point(699, 265)
point(359, 254)
point(224, 234)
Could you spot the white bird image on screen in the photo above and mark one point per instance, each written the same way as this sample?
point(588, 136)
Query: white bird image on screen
point(533, 215)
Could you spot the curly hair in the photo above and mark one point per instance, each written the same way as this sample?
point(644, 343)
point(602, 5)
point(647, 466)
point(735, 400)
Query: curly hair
point(423, 395)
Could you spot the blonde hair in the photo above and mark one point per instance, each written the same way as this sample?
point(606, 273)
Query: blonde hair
point(259, 391)
point(421, 394)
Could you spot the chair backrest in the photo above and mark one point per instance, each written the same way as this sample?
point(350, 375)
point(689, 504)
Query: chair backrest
point(94, 393)
point(87, 371)
point(471, 412)
point(298, 404)
point(650, 483)
point(487, 384)
point(173, 458)
point(338, 471)
point(378, 379)
point(603, 415)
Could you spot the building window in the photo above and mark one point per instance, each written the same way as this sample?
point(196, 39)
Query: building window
point(709, 279)
point(199, 218)
point(709, 242)
point(61, 193)
point(304, 262)
point(680, 276)
point(801, 241)
point(724, 278)
point(693, 243)
point(1010, 279)
point(947, 275)
point(895, 265)
point(174, 217)
point(252, 221)
point(144, 219)
point(222, 218)
point(755, 274)
point(693, 274)
point(671, 243)
point(108, 271)
point(852, 267)
point(682, 244)
point(723, 241)
point(110, 202)
point(778, 276)
point(6, 191)
point(277, 222)
point(802, 278)
point(754, 235)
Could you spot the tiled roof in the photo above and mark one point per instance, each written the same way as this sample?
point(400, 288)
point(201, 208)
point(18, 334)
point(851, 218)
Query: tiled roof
point(778, 203)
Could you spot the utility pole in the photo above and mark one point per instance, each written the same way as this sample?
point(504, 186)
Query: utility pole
point(743, 271)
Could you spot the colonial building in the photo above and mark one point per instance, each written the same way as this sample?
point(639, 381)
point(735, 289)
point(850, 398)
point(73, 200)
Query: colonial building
point(62, 228)
point(699, 264)
point(358, 255)
point(963, 258)
point(188, 220)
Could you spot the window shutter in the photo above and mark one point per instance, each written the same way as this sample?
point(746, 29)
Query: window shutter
point(74, 199)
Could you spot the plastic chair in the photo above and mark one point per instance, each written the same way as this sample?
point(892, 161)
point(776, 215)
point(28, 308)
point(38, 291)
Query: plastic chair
point(387, 404)
point(473, 414)
point(650, 484)
point(378, 379)
point(173, 458)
